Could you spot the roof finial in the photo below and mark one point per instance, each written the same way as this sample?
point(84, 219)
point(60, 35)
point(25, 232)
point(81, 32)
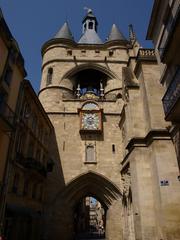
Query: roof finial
point(132, 35)
point(89, 10)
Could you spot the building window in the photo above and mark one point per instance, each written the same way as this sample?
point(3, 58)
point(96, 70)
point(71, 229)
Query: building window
point(69, 52)
point(15, 183)
point(49, 76)
point(26, 187)
point(44, 159)
point(25, 111)
point(40, 133)
point(41, 193)
point(19, 143)
point(34, 122)
point(113, 148)
point(38, 155)
point(8, 75)
point(111, 52)
point(64, 145)
point(34, 190)
point(91, 25)
point(31, 149)
point(90, 153)
point(3, 98)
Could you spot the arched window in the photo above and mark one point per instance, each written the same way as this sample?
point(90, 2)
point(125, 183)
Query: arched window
point(26, 187)
point(91, 25)
point(41, 193)
point(15, 183)
point(49, 76)
point(30, 151)
point(34, 190)
point(90, 106)
point(90, 153)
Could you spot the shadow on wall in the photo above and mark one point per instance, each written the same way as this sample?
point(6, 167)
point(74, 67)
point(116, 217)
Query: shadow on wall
point(55, 184)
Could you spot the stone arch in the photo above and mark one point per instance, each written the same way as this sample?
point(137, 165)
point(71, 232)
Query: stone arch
point(91, 183)
point(100, 80)
point(97, 67)
point(94, 105)
point(87, 184)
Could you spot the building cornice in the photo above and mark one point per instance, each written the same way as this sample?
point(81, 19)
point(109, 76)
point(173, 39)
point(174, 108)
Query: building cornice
point(139, 142)
point(79, 60)
point(67, 43)
point(145, 55)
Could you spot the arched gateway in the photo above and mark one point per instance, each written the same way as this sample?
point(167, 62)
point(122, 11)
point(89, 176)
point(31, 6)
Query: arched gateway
point(87, 184)
point(110, 140)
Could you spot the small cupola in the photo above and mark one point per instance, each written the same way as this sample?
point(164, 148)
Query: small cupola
point(89, 22)
point(89, 29)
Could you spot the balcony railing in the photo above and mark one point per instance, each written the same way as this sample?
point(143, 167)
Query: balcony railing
point(172, 94)
point(146, 54)
point(6, 114)
point(31, 163)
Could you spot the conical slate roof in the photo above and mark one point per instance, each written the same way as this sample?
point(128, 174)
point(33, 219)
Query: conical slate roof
point(90, 37)
point(115, 34)
point(64, 32)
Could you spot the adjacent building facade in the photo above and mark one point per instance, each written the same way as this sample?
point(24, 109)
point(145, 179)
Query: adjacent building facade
point(30, 164)
point(12, 73)
point(112, 142)
point(164, 31)
point(25, 161)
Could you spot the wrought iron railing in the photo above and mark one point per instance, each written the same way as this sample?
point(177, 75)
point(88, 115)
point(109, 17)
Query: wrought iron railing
point(146, 52)
point(172, 94)
point(31, 163)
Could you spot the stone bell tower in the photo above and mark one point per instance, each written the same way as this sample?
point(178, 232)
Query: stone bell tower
point(97, 95)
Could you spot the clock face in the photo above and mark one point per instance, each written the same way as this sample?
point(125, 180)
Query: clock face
point(90, 121)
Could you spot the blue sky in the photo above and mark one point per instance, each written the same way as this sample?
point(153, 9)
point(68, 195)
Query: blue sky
point(34, 22)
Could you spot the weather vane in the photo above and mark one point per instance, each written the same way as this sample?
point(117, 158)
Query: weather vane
point(89, 10)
